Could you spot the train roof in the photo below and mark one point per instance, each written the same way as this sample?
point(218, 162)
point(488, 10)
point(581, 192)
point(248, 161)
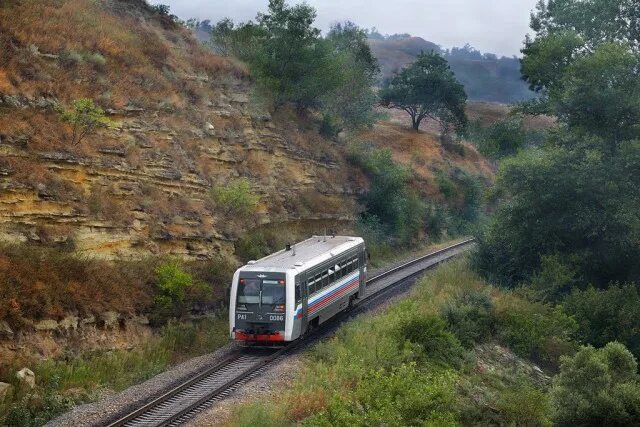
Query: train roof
point(305, 254)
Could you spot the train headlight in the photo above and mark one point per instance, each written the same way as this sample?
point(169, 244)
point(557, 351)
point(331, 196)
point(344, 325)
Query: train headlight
point(279, 307)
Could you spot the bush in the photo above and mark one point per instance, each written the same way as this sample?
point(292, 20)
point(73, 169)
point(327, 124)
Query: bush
point(597, 387)
point(431, 340)
point(176, 291)
point(85, 118)
point(536, 331)
point(389, 199)
point(605, 315)
point(471, 317)
point(402, 396)
point(236, 199)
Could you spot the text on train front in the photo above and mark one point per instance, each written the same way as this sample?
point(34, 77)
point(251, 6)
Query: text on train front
point(260, 307)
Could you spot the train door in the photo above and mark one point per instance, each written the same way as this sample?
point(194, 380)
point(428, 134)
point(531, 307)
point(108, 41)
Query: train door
point(362, 264)
point(305, 305)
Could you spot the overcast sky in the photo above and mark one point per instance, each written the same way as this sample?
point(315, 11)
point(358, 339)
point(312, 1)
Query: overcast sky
point(497, 26)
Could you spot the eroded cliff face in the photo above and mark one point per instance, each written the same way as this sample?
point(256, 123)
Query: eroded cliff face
point(142, 188)
point(183, 122)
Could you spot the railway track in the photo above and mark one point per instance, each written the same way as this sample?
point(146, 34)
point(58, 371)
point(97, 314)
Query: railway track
point(184, 401)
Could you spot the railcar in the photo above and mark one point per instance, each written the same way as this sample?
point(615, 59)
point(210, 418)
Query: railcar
point(280, 297)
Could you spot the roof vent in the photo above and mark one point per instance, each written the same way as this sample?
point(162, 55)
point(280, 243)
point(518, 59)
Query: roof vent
point(253, 261)
point(298, 264)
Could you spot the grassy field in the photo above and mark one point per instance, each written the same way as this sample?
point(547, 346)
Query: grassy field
point(434, 358)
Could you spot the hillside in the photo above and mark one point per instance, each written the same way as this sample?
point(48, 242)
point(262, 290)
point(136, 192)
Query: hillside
point(485, 77)
point(184, 121)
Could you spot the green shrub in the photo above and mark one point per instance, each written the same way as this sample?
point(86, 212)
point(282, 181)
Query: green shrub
point(556, 278)
point(612, 314)
point(85, 118)
point(471, 317)
point(390, 200)
point(402, 396)
point(523, 405)
point(535, 331)
point(597, 387)
point(71, 58)
point(235, 200)
point(176, 291)
point(431, 340)
point(329, 126)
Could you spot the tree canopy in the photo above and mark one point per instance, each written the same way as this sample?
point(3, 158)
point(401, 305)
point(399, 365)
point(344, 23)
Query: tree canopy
point(585, 61)
point(294, 64)
point(427, 88)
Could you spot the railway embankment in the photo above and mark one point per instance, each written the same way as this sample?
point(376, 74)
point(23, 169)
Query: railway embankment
point(109, 403)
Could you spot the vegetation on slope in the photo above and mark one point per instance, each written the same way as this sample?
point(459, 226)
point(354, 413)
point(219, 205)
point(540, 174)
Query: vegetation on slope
point(436, 357)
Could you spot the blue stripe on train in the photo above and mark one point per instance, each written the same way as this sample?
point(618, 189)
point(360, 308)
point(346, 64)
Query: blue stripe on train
point(348, 281)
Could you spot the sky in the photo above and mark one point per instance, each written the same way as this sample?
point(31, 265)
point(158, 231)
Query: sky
point(496, 26)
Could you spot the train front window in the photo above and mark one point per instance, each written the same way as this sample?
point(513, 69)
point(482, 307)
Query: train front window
point(273, 292)
point(249, 291)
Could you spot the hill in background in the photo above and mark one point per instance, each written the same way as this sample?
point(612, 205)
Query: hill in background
point(486, 77)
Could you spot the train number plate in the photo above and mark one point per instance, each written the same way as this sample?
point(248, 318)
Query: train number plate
point(276, 317)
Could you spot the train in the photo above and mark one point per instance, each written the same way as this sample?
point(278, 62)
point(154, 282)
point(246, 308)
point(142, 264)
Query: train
point(279, 298)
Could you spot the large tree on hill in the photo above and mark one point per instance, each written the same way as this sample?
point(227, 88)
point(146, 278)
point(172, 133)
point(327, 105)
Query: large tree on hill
point(427, 88)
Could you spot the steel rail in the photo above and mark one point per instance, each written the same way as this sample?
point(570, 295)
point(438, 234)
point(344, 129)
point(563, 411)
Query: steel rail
point(143, 416)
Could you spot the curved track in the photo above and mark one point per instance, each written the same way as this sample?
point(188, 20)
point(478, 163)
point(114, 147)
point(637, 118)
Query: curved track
point(181, 403)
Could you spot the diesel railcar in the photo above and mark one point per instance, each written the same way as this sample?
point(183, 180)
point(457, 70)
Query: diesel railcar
point(280, 297)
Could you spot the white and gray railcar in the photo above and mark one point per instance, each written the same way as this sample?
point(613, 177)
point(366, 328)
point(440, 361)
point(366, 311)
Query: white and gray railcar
point(279, 297)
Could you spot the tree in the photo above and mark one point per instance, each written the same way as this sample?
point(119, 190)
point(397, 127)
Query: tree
point(572, 202)
point(350, 104)
point(294, 64)
point(585, 61)
point(428, 88)
point(597, 387)
point(85, 119)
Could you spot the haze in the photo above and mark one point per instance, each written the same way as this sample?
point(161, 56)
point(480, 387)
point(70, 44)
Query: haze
point(498, 26)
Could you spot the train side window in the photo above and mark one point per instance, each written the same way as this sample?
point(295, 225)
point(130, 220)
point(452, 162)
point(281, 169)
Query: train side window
point(298, 293)
point(311, 286)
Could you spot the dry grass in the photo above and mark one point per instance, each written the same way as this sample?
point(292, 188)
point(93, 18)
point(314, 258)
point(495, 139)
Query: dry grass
point(37, 283)
point(423, 153)
point(130, 39)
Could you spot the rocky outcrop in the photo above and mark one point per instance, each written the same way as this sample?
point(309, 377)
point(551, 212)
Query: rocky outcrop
point(142, 187)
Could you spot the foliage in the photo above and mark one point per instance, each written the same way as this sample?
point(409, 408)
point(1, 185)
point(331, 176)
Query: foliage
point(351, 102)
point(236, 199)
point(597, 387)
point(429, 335)
point(605, 315)
point(500, 139)
point(584, 60)
point(161, 9)
point(471, 317)
point(428, 88)
point(400, 397)
point(66, 383)
point(85, 119)
point(390, 200)
point(536, 331)
point(549, 198)
point(294, 64)
point(177, 290)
